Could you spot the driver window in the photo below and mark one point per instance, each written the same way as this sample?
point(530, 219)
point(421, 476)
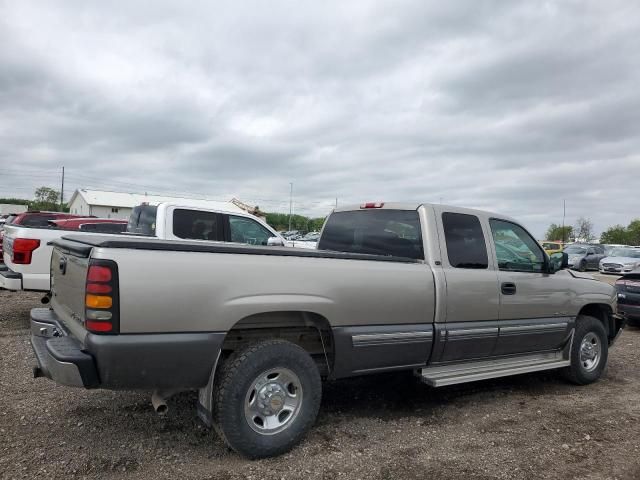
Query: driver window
point(245, 230)
point(516, 250)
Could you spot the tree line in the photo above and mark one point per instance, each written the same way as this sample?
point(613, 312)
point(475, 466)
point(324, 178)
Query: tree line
point(583, 232)
point(45, 198)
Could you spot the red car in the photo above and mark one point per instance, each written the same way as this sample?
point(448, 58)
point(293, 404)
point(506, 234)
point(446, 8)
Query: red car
point(90, 224)
point(33, 219)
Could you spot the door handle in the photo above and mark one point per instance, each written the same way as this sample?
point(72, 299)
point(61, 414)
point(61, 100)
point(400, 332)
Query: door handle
point(508, 288)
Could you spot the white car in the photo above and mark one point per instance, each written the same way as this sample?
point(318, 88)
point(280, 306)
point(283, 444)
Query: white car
point(621, 260)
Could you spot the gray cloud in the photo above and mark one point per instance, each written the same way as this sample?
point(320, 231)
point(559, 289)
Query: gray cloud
point(505, 106)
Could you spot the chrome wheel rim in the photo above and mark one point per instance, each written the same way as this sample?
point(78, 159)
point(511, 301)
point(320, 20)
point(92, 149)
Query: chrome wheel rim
point(273, 401)
point(590, 352)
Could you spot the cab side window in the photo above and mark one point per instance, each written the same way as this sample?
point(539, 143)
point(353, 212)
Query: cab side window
point(245, 230)
point(195, 224)
point(466, 247)
point(516, 250)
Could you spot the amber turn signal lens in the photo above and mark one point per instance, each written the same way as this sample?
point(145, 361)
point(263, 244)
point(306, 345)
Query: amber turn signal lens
point(98, 301)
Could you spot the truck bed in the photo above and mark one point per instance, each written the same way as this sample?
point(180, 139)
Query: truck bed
point(83, 244)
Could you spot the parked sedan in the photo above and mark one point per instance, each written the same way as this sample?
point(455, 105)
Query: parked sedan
point(584, 257)
point(628, 288)
point(621, 260)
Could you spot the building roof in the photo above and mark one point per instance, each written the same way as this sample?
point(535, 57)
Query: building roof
point(129, 200)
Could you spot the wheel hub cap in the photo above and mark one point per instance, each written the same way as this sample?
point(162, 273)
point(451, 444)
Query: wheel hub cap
point(273, 401)
point(590, 352)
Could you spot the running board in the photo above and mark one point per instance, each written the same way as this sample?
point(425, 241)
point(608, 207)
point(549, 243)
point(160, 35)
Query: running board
point(481, 370)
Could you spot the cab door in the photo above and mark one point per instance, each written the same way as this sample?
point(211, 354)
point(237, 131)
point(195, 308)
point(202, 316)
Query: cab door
point(472, 300)
point(534, 304)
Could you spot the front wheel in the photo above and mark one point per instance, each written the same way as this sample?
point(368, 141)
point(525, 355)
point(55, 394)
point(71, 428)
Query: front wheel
point(583, 266)
point(589, 351)
point(266, 398)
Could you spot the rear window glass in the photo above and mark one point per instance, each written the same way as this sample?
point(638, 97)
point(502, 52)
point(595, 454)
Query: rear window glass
point(195, 224)
point(37, 220)
point(104, 227)
point(376, 232)
point(143, 220)
point(466, 247)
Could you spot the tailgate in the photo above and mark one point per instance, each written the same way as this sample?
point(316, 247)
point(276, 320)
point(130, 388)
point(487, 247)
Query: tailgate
point(68, 278)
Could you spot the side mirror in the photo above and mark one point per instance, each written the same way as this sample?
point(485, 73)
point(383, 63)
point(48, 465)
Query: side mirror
point(558, 261)
point(275, 242)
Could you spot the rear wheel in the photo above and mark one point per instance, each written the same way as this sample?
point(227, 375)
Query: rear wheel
point(266, 398)
point(589, 351)
point(583, 266)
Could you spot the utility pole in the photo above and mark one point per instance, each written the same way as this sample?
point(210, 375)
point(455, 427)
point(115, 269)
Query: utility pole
point(564, 213)
point(290, 203)
point(336, 202)
point(62, 190)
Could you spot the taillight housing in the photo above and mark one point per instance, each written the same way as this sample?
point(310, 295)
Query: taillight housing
point(101, 301)
point(372, 205)
point(23, 250)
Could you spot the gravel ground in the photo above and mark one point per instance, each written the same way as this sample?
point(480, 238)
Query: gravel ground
point(376, 427)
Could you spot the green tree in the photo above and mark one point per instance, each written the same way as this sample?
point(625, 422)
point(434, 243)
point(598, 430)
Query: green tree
point(615, 234)
point(559, 233)
point(280, 221)
point(633, 232)
point(46, 198)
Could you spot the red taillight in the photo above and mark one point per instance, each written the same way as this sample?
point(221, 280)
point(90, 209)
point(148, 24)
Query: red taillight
point(372, 205)
point(98, 326)
point(98, 288)
point(23, 250)
point(101, 299)
point(98, 273)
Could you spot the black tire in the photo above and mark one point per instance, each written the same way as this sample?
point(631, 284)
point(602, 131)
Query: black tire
point(578, 372)
point(235, 385)
point(583, 266)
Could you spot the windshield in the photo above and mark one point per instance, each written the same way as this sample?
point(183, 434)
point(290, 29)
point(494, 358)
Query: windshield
point(625, 252)
point(575, 250)
point(143, 220)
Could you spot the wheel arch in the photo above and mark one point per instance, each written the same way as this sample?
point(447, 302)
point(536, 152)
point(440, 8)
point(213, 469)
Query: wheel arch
point(602, 312)
point(309, 330)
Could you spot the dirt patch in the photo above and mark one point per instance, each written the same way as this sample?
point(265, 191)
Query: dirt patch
point(378, 427)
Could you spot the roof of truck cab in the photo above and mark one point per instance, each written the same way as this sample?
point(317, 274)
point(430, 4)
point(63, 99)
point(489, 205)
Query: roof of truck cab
point(438, 207)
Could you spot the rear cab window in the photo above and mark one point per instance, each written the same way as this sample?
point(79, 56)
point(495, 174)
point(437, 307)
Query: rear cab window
point(466, 246)
point(143, 220)
point(388, 232)
point(37, 220)
point(103, 227)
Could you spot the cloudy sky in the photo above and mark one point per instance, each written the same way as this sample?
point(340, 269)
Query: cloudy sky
point(505, 106)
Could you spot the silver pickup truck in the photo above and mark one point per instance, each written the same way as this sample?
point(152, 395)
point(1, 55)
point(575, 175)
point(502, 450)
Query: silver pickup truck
point(454, 295)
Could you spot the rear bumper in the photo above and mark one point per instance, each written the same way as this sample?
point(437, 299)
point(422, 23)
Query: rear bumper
point(58, 355)
point(9, 279)
point(122, 362)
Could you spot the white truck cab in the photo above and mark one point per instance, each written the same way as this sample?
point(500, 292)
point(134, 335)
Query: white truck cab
point(205, 221)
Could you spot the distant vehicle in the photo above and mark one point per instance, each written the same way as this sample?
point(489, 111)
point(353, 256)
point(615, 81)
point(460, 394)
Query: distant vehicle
point(610, 246)
point(224, 222)
point(583, 256)
point(32, 219)
point(551, 247)
point(310, 240)
point(96, 225)
point(28, 254)
point(621, 260)
point(628, 287)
